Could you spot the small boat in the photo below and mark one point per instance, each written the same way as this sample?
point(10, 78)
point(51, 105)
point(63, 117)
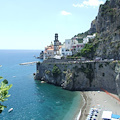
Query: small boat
point(11, 109)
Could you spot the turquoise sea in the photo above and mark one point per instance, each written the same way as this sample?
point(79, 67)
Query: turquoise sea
point(30, 99)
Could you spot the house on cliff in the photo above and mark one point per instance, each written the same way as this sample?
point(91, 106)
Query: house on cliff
point(68, 48)
point(53, 49)
point(77, 47)
point(49, 51)
point(86, 39)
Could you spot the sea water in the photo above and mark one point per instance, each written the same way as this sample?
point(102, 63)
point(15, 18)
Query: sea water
point(30, 99)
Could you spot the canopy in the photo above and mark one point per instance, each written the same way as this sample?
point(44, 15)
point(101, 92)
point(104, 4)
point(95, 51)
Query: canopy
point(115, 116)
point(106, 114)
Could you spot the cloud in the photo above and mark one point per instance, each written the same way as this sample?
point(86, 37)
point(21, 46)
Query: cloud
point(65, 13)
point(87, 3)
point(78, 5)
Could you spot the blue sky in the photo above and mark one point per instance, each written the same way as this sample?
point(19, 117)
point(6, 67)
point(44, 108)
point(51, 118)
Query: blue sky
point(31, 24)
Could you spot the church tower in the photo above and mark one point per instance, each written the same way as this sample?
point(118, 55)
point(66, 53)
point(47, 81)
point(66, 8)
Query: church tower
point(56, 45)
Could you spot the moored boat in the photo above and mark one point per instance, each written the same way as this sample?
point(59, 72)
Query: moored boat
point(11, 109)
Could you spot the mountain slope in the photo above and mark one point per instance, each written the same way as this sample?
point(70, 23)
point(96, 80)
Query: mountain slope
point(107, 27)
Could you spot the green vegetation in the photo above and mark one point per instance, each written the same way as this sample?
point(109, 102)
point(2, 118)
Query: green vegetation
point(88, 70)
point(47, 72)
point(87, 50)
point(69, 75)
point(101, 66)
point(38, 62)
point(118, 27)
point(56, 71)
point(107, 63)
point(4, 87)
point(119, 62)
point(81, 36)
point(118, 46)
point(76, 56)
point(106, 9)
point(65, 68)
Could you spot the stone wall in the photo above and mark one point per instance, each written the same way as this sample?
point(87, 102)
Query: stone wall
point(82, 76)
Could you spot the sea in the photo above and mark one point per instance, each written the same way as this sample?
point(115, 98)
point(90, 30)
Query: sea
point(31, 99)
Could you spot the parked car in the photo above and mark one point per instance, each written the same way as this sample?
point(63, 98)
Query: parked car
point(98, 58)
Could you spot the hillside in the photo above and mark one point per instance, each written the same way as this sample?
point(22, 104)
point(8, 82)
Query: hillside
point(107, 28)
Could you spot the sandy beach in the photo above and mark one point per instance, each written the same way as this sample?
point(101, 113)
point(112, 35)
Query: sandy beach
point(100, 100)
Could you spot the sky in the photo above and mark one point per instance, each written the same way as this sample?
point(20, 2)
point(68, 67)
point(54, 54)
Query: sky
point(32, 24)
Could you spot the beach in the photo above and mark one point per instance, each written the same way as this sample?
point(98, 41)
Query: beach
point(101, 101)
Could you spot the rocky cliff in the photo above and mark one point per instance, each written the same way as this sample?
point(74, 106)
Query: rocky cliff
point(107, 27)
point(81, 76)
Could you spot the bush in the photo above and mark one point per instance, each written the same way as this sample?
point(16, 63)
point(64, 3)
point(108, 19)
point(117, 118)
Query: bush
point(87, 50)
point(56, 71)
point(38, 62)
point(101, 66)
point(47, 72)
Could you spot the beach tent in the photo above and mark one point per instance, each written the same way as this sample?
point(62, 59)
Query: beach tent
point(115, 116)
point(114, 119)
point(106, 115)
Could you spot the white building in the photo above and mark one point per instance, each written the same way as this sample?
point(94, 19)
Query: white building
point(70, 42)
point(65, 51)
point(86, 39)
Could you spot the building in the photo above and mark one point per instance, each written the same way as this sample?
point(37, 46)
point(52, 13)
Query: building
point(65, 51)
point(69, 47)
point(52, 51)
point(49, 51)
point(66, 48)
point(56, 45)
point(77, 47)
point(86, 39)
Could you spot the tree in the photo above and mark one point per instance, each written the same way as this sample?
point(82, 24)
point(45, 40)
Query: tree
point(87, 51)
point(4, 87)
point(56, 71)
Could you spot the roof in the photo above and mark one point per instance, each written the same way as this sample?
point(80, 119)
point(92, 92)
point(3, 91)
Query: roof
point(50, 49)
point(60, 46)
point(107, 114)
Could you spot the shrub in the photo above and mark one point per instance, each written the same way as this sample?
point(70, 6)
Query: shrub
point(101, 66)
point(56, 71)
point(47, 72)
point(38, 62)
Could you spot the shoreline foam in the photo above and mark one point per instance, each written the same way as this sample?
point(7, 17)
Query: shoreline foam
point(83, 101)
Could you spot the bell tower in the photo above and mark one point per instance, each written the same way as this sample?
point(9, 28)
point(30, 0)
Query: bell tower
point(56, 45)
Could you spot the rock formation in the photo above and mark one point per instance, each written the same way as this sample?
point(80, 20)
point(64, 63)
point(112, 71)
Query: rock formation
point(107, 27)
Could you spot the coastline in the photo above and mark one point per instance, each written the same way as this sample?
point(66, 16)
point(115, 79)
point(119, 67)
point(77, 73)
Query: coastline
point(99, 100)
point(78, 115)
point(84, 110)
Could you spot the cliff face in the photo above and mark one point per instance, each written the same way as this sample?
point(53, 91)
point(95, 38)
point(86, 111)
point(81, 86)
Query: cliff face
point(82, 76)
point(107, 27)
point(93, 27)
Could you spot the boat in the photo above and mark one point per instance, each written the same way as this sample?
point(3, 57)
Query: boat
point(10, 110)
